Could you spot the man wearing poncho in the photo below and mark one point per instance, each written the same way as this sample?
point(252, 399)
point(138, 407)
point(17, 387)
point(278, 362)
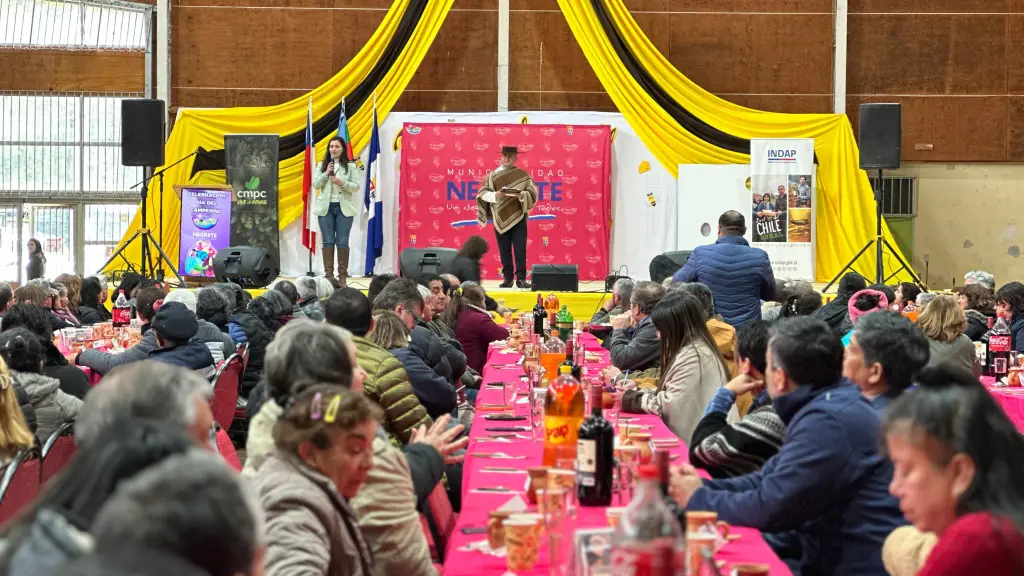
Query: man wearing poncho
point(506, 197)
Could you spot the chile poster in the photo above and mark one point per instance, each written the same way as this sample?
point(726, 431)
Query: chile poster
point(205, 229)
point(782, 186)
point(443, 166)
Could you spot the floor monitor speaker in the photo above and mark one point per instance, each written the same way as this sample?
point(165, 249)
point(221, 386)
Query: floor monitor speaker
point(247, 266)
point(556, 277)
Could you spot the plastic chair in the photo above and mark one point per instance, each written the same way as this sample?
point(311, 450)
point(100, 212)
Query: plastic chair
point(441, 520)
point(20, 484)
point(58, 449)
point(225, 390)
point(227, 450)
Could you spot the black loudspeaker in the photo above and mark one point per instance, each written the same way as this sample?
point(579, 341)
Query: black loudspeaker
point(413, 263)
point(557, 277)
point(880, 134)
point(247, 266)
point(667, 264)
point(142, 133)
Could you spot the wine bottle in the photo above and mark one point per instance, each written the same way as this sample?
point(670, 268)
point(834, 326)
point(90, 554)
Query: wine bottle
point(539, 316)
point(595, 457)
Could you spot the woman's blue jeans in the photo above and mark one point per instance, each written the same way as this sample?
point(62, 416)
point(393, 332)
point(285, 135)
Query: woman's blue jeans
point(335, 227)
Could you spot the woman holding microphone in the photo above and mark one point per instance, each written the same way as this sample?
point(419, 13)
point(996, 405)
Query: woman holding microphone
point(337, 181)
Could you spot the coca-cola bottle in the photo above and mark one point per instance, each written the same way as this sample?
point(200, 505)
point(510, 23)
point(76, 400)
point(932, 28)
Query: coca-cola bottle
point(649, 539)
point(999, 348)
point(122, 312)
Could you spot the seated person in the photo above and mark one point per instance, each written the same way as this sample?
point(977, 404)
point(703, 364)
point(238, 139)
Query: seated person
point(828, 483)
point(175, 327)
point(23, 353)
point(220, 344)
point(147, 301)
point(862, 303)
point(33, 318)
point(947, 440)
point(724, 334)
point(884, 356)
point(694, 369)
point(725, 449)
point(474, 327)
point(93, 295)
point(634, 341)
point(386, 382)
point(836, 313)
point(618, 304)
point(308, 303)
point(434, 391)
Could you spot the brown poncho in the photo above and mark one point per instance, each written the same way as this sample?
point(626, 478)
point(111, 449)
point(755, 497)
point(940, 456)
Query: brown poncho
point(508, 211)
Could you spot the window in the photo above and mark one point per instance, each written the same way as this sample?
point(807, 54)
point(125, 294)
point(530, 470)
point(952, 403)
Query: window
point(59, 146)
point(74, 24)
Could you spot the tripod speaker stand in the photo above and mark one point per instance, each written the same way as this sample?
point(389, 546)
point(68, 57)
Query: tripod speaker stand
point(147, 268)
point(881, 132)
point(880, 244)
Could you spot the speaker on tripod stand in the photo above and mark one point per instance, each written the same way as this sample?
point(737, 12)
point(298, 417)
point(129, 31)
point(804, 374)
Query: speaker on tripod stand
point(881, 131)
point(142, 144)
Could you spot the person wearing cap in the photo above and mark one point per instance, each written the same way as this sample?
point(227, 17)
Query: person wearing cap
point(220, 344)
point(506, 197)
point(175, 327)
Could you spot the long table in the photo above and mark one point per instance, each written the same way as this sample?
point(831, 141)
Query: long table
point(749, 547)
point(1011, 399)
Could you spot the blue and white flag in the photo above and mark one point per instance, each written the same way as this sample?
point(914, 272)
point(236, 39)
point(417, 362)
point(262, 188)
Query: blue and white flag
point(372, 200)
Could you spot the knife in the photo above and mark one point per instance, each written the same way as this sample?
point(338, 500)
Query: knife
point(497, 455)
point(498, 490)
point(498, 470)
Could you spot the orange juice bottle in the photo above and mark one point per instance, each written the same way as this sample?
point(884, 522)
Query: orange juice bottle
point(552, 354)
point(563, 414)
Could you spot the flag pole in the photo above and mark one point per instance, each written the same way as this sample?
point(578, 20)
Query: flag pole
point(309, 235)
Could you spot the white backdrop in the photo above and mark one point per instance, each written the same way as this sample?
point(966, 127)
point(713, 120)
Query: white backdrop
point(705, 192)
point(644, 210)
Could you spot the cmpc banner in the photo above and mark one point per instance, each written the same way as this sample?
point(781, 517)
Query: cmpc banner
point(251, 162)
point(782, 204)
point(444, 164)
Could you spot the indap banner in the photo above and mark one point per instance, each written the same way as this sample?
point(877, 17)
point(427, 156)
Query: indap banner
point(443, 166)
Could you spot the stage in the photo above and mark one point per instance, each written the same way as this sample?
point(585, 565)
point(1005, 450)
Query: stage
point(581, 304)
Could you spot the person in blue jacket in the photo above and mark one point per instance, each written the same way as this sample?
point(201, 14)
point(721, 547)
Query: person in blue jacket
point(1010, 303)
point(828, 484)
point(739, 275)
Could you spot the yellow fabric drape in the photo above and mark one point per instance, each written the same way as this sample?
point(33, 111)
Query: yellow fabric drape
point(845, 202)
point(196, 127)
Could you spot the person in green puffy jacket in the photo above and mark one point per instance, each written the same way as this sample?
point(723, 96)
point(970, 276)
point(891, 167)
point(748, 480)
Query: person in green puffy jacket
point(386, 382)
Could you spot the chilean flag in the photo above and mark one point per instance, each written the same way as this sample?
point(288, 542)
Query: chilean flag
point(343, 131)
point(371, 199)
point(309, 220)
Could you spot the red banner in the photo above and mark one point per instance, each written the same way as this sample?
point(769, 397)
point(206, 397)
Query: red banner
point(444, 164)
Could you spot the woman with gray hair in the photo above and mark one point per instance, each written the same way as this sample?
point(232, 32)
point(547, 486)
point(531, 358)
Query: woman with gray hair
point(306, 355)
point(302, 353)
point(308, 300)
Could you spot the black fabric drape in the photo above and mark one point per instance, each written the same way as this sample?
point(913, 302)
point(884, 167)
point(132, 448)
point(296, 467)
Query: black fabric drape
point(294, 143)
point(684, 117)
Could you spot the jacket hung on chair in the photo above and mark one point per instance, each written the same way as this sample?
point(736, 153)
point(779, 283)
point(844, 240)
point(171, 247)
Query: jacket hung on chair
point(739, 275)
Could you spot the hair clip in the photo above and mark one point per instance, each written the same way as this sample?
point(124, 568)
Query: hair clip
point(315, 407)
point(332, 409)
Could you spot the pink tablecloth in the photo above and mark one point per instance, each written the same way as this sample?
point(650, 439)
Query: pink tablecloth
point(93, 377)
point(750, 547)
point(1011, 399)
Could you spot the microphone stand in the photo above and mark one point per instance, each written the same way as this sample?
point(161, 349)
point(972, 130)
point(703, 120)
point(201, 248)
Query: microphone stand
point(146, 235)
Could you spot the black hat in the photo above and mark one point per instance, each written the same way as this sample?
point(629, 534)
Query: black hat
point(174, 322)
point(509, 150)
